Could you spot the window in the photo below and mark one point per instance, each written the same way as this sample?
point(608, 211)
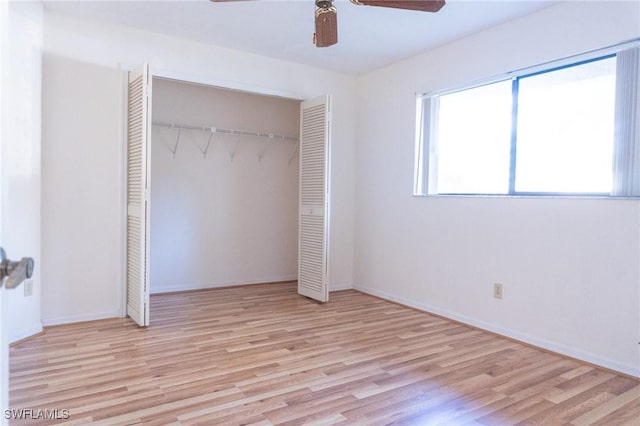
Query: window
point(562, 130)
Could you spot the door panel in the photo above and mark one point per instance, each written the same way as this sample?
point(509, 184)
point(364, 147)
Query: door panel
point(313, 231)
point(138, 134)
point(4, 339)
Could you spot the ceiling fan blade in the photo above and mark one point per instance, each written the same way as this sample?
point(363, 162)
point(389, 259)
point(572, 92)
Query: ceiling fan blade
point(422, 5)
point(326, 27)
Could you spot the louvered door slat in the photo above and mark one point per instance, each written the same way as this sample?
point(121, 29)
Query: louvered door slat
point(137, 210)
point(314, 199)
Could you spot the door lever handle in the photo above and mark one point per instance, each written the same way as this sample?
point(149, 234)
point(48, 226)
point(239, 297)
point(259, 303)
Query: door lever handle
point(15, 272)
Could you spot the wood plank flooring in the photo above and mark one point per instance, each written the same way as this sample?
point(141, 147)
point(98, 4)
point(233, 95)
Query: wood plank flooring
point(262, 355)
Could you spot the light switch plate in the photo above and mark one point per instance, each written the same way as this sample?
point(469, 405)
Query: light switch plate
point(28, 288)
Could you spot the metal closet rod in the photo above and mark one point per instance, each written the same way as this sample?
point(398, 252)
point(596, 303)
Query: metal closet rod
point(223, 131)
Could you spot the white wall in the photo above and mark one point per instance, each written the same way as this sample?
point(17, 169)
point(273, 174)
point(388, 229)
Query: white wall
point(83, 190)
point(570, 267)
point(21, 160)
point(217, 221)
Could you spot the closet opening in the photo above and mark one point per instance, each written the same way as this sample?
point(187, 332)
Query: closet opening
point(224, 187)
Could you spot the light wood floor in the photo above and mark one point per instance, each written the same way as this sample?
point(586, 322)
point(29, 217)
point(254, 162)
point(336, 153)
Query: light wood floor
point(263, 355)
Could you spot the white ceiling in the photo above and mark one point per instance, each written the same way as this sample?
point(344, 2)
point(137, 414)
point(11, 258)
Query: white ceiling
point(368, 37)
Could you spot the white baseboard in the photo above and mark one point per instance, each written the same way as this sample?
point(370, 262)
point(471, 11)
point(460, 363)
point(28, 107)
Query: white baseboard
point(559, 348)
point(117, 314)
point(191, 286)
point(340, 286)
point(81, 318)
point(188, 287)
point(23, 334)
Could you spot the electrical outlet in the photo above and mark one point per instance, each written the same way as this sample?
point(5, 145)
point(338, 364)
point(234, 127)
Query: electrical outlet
point(28, 288)
point(497, 290)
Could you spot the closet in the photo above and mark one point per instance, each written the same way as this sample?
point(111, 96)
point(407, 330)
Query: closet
point(224, 187)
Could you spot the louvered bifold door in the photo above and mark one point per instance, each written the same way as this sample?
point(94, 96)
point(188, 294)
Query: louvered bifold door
point(313, 244)
point(138, 118)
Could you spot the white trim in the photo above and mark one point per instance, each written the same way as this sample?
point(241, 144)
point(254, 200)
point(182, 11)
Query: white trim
point(23, 334)
point(124, 107)
point(69, 319)
point(340, 287)
point(510, 333)
point(215, 82)
point(231, 283)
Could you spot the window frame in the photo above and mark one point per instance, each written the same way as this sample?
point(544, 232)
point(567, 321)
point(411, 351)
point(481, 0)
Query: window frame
point(426, 154)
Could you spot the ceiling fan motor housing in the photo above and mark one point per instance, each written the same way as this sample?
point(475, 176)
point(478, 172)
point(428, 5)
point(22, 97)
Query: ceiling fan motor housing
point(326, 24)
point(324, 4)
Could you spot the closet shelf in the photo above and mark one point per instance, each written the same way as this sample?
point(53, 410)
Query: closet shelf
point(223, 131)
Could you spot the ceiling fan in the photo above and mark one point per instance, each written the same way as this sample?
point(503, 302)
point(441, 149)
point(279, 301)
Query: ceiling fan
point(327, 19)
